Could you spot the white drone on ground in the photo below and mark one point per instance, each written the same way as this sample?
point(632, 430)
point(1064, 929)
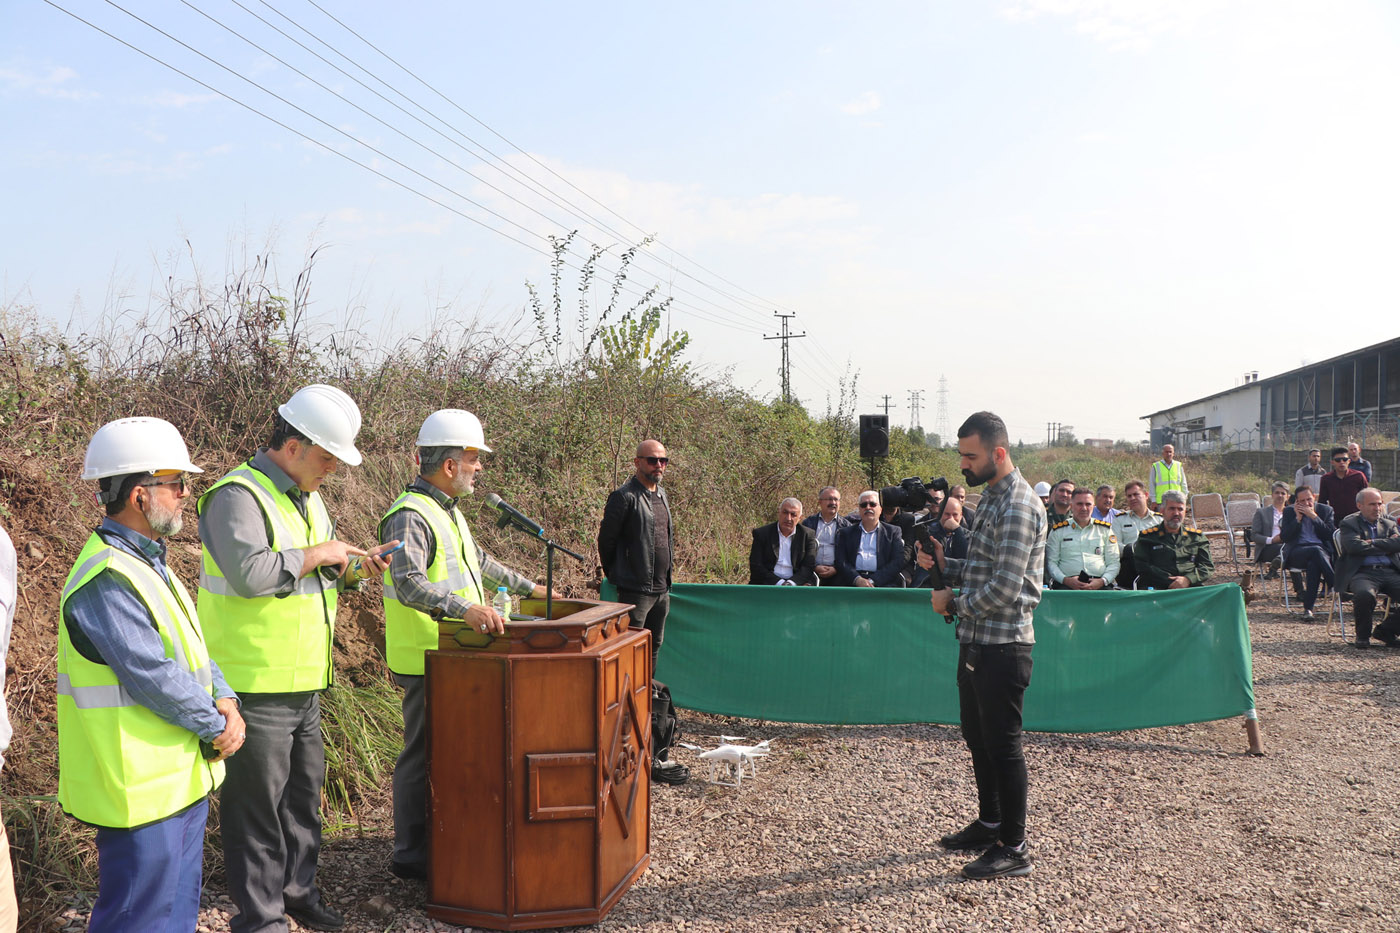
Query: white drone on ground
point(729, 759)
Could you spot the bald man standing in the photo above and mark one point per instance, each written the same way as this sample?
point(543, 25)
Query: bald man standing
point(635, 543)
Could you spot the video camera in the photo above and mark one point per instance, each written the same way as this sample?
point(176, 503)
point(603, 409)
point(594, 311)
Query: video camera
point(912, 493)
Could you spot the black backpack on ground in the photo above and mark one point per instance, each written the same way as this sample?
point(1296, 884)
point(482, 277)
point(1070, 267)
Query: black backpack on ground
point(665, 729)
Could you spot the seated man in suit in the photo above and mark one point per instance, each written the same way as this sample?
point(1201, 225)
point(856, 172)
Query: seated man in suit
point(1370, 563)
point(872, 552)
point(784, 552)
point(1171, 556)
point(1266, 530)
point(1306, 530)
point(826, 521)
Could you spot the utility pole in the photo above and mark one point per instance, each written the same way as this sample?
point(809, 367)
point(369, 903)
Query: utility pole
point(887, 405)
point(785, 371)
point(1047, 434)
point(941, 424)
point(914, 396)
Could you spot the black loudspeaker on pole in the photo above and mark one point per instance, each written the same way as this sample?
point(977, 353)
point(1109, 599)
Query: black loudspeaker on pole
point(874, 440)
point(874, 436)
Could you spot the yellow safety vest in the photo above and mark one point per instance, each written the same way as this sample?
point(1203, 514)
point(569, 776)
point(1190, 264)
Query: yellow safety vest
point(270, 644)
point(407, 632)
point(1167, 478)
point(119, 764)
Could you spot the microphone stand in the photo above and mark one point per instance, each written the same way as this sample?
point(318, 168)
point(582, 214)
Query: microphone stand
point(550, 547)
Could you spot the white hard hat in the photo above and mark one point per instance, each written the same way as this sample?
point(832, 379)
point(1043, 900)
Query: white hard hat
point(136, 445)
point(327, 416)
point(452, 427)
point(1042, 488)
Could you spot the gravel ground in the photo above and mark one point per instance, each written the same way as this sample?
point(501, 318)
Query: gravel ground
point(1157, 829)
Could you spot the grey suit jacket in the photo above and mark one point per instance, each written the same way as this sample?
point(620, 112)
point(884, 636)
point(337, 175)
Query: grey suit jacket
point(1357, 545)
point(1262, 527)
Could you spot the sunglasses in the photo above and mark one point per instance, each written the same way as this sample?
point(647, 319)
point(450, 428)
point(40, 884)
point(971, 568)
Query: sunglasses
point(656, 461)
point(870, 505)
point(1341, 459)
point(182, 482)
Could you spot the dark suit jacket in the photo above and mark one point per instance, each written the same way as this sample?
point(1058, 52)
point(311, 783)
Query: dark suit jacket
point(1357, 545)
point(889, 554)
point(763, 556)
point(1290, 528)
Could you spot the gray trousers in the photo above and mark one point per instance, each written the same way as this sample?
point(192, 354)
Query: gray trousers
point(270, 810)
point(649, 612)
point(411, 776)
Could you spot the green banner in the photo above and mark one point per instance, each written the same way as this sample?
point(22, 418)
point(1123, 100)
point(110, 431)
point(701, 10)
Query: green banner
point(1103, 661)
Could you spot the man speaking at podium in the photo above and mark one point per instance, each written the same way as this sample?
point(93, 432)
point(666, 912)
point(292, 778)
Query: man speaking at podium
point(439, 572)
point(1000, 587)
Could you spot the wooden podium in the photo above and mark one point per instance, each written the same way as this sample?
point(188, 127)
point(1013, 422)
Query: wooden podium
point(539, 768)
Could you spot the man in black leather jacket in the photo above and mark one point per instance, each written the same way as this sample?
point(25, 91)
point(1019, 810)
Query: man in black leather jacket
point(635, 543)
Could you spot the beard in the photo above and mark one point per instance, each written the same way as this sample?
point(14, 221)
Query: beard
point(164, 522)
point(973, 479)
point(464, 483)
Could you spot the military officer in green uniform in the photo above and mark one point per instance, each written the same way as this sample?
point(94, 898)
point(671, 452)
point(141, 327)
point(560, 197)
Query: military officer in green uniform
point(1082, 554)
point(1171, 556)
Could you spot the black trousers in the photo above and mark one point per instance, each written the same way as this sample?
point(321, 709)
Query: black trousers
point(992, 680)
point(649, 612)
point(1364, 585)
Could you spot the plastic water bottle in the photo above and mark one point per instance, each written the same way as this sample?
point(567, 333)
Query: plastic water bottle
point(501, 603)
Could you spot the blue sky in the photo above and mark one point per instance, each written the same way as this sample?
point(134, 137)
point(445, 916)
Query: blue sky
point(1077, 211)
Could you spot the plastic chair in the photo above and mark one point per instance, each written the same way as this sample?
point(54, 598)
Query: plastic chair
point(1340, 599)
point(1239, 518)
point(1209, 506)
point(1392, 507)
point(1236, 496)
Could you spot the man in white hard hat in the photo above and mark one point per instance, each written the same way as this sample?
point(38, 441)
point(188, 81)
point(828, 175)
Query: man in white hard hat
point(145, 717)
point(267, 596)
point(440, 572)
point(1042, 489)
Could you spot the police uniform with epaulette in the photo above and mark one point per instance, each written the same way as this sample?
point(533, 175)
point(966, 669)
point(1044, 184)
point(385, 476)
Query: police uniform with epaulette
point(1091, 549)
point(1160, 555)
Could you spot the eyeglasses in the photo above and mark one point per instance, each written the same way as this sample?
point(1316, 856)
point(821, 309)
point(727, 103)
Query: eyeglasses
point(182, 482)
point(870, 505)
point(656, 461)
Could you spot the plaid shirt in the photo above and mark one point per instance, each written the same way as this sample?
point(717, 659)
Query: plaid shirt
point(1001, 578)
point(408, 565)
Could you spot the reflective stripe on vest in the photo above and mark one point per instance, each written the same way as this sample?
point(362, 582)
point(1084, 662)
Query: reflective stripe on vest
point(119, 764)
point(407, 632)
point(271, 644)
point(1166, 478)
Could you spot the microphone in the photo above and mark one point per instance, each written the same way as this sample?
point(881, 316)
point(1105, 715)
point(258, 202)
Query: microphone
point(512, 516)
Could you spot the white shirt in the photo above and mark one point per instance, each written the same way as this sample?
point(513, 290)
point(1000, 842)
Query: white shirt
point(826, 543)
point(783, 568)
point(866, 558)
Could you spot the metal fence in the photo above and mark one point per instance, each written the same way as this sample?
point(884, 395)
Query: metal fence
point(1370, 430)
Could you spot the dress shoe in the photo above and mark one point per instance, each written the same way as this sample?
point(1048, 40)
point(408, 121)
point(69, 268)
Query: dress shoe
point(408, 872)
point(319, 916)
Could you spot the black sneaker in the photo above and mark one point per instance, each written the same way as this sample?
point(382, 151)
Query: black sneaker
point(1385, 638)
point(974, 835)
point(1364, 645)
point(319, 916)
point(997, 862)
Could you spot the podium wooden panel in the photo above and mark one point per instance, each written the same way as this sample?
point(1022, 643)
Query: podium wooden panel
point(539, 768)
